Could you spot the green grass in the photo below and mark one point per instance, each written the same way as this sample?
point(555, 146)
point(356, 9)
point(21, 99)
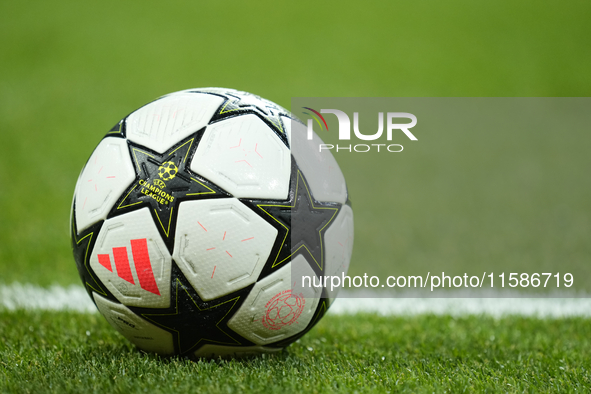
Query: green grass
point(70, 70)
point(62, 352)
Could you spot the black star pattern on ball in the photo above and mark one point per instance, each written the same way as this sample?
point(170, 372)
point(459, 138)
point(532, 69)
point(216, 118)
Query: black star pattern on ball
point(300, 221)
point(194, 322)
point(82, 244)
point(163, 181)
point(118, 130)
point(240, 103)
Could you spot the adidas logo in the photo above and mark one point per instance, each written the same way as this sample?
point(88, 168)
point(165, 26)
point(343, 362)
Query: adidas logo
point(141, 259)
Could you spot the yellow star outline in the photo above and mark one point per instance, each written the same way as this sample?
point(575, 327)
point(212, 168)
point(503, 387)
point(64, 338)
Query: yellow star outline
point(117, 131)
point(279, 125)
point(178, 282)
point(135, 151)
point(321, 264)
point(166, 230)
point(320, 312)
point(190, 142)
point(125, 199)
point(138, 166)
point(78, 241)
point(211, 191)
point(223, 110)
point(269, 118)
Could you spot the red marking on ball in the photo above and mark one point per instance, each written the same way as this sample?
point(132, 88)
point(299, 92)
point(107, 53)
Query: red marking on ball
point(105, 261)
point(239, 142)
point(238, 161)
point(283, 309)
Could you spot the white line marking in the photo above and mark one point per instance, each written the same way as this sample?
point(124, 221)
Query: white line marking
point(55, 298)
point(496, 307)
point(17, 296)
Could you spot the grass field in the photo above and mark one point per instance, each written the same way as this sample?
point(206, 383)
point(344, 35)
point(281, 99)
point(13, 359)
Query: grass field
point(70, 70)
point(64, 352)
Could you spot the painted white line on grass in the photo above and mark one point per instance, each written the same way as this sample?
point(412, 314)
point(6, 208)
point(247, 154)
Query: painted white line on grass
point(74, 298)
point(55, 298)
point(540, 307)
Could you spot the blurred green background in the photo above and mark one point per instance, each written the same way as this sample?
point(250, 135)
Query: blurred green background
point(493, 184)
point(70, 70)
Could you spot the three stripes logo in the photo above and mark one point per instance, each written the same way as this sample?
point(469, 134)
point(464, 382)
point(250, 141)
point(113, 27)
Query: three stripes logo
point(141, 259)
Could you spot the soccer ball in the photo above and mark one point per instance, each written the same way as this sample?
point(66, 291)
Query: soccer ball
point(197, 219)
point(167, 170)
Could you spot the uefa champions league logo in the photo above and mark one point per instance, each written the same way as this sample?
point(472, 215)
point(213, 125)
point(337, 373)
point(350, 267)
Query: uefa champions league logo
point(167, 171)
point(345, 129)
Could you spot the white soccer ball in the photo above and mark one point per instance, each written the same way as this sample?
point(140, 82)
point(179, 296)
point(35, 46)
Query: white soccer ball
point(196, 218)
